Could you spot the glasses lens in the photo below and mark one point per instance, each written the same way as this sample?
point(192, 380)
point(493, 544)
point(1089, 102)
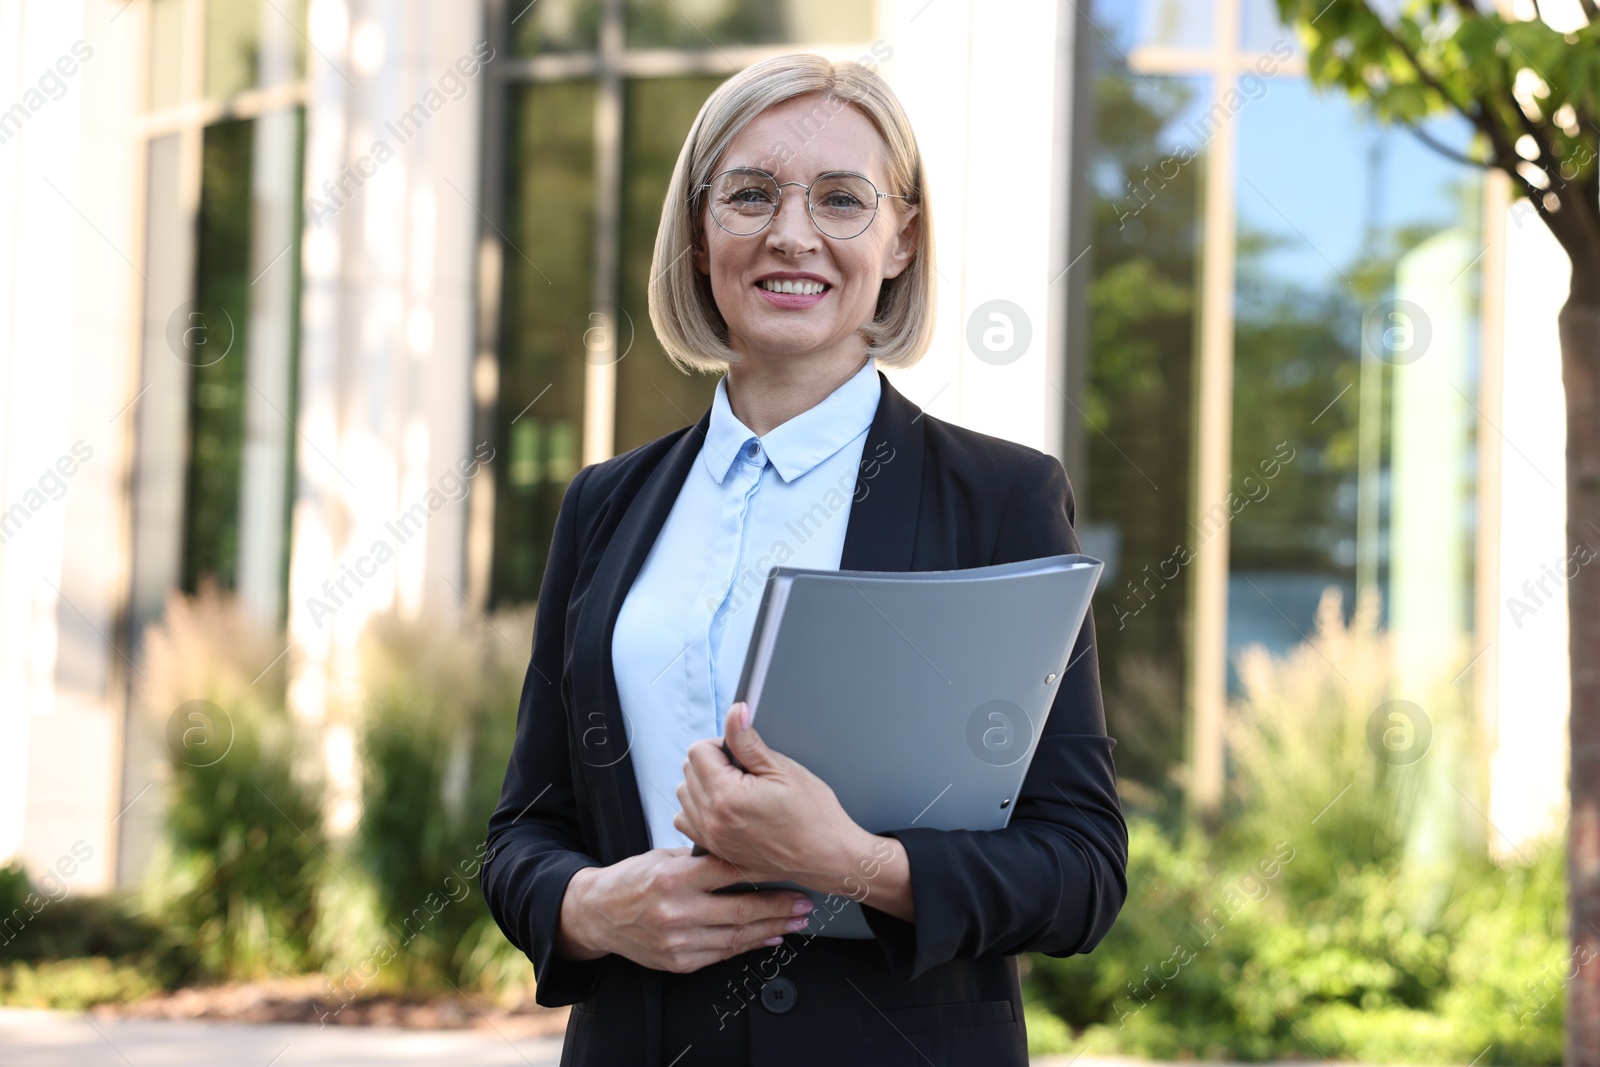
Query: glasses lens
point(743, 200)
point(843, 204)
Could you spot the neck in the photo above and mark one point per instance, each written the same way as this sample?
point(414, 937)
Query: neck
point(765, 393)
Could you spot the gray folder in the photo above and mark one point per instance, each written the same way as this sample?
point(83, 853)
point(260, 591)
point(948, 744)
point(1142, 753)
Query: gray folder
point(917, 696)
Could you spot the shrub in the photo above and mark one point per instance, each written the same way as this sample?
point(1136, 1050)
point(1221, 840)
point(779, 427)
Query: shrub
point(435, 721)
point(73, 984)
point(99, 942)
point(16, 911)
point(243, 852)
point(241, 883)
point(1345, 907)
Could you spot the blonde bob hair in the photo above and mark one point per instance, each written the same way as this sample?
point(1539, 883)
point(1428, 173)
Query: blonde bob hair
point(687, 323)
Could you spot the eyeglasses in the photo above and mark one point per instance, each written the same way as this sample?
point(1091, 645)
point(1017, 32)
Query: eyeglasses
point(842, 204)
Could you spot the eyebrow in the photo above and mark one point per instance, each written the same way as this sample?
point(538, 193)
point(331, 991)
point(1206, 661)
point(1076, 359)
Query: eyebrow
point(774, 177)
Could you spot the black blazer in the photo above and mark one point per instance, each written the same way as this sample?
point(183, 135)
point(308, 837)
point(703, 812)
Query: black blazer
point(930, 496)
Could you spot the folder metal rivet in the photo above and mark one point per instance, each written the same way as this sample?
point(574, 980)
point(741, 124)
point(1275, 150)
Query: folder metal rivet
point(1049, 677)
point(1006, 803)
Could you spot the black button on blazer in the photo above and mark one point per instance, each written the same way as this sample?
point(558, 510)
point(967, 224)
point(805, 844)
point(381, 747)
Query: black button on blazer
point(930, 496)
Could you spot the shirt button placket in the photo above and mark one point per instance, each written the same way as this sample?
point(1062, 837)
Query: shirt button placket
point(731, 534)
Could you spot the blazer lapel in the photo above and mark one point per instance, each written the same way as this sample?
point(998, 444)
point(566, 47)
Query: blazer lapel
point(880, 536)
point(624, 831)
point(883, 515)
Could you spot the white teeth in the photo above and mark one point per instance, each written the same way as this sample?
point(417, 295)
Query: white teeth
point(787, 286)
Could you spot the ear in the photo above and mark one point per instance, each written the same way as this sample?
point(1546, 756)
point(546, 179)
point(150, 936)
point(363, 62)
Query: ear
point(700, 256)
point(903, 249)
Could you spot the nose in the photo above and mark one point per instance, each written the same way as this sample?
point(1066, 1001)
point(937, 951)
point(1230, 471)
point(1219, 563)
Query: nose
point(790, 229)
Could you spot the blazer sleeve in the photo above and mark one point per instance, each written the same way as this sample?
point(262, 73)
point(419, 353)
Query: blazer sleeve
point(534, 842)
point(1054, 879)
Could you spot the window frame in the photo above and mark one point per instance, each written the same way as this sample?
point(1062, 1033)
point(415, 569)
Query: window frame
point(1223, 62)
point(156, 566)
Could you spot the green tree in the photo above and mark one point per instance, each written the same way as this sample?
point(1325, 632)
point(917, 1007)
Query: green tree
point(1532, 95)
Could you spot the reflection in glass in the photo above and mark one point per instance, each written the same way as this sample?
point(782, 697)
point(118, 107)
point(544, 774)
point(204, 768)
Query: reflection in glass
point(216, 337)
point(1145, 177)
point(253, 44)
point(548, 259)
point(1122, 25)
point(553, 26)
point(279, 162)
point(165, 86)
point(1356, 348)
point(233, 32)
point(1260, 29)
point(701, 24)
point(1182, 23)
point(156, 498)
point(653, 396)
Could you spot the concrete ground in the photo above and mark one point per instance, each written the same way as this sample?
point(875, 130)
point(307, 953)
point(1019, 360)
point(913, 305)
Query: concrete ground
point(62, 1039)
point(66, 1039)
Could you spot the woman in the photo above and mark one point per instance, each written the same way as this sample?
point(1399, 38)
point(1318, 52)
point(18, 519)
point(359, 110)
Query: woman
point(808, 456)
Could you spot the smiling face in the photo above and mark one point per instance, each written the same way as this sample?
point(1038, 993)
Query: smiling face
point(791, 253)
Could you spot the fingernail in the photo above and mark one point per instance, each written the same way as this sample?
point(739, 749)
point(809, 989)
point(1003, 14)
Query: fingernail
point(803, 906)
point(773, 941)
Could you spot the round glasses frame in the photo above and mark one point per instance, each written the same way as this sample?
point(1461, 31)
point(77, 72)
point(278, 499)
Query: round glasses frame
point(810, 212)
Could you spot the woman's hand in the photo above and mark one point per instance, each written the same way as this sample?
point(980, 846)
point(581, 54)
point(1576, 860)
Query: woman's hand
point(657, 909)
point(775, 820)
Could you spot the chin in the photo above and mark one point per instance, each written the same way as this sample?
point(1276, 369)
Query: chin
point(785, 342)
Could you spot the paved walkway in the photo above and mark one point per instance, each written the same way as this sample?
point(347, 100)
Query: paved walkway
point(59, 1039)
point(64, 1039)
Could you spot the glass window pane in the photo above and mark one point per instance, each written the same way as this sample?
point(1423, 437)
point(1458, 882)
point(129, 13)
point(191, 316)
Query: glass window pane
point(233, 30)
point(216, 340)
point(275, 298)
point(697, 24)
point(653, 396)
point(161, 416)
point(284, 42)
point(553, 26)
point(1356, 353)
point(548, 262)
point(1126, 24)
point(253, 44)
point(1175, 22)
point(165, 87)
point(1261, 31)
point(1135, 414)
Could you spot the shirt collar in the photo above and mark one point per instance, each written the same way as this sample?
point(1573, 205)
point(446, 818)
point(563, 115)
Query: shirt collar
point(805, 440)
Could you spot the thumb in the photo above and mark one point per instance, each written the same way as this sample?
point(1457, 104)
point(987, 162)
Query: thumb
point(745, 743)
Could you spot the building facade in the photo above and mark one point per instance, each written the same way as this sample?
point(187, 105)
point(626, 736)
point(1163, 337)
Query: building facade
point(326, 301)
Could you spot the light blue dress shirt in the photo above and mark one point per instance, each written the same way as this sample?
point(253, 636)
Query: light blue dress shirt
point(748, 504)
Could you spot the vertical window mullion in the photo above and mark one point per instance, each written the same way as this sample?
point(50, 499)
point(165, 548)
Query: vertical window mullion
point(1213, 414)
point(599, 350)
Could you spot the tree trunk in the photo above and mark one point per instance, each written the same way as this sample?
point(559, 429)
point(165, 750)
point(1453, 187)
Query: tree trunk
point(1580, 360)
